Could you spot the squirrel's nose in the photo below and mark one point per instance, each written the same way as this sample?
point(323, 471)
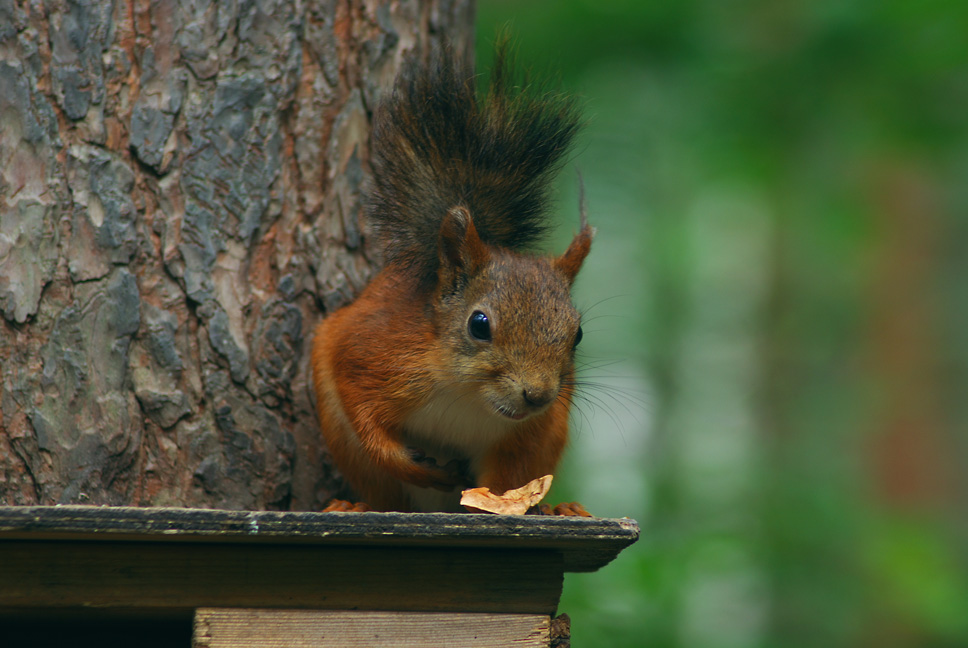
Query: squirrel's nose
point(538, 396)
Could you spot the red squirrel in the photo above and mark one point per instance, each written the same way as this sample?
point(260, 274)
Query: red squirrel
point(455, 365)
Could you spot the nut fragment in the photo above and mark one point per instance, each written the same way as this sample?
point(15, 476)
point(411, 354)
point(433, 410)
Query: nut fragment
point(512, 502)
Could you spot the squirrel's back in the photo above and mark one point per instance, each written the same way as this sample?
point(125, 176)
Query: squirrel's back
point(437, 144)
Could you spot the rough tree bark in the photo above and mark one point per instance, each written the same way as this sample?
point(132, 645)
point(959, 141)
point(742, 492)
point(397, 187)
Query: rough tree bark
point(180, 186)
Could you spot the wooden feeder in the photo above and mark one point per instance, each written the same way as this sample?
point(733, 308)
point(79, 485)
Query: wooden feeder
point(178, 577)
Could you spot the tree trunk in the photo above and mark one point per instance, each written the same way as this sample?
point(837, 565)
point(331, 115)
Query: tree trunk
point(180, 192)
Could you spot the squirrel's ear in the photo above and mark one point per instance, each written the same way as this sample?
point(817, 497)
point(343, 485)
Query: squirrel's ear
point(460, 247)
point(570, 262)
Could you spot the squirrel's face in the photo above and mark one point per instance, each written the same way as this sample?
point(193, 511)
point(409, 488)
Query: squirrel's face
point(508, 327)
point(512, 333)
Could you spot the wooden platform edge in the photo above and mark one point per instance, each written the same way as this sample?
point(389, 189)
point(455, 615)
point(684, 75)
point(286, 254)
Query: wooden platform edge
point(586, 544)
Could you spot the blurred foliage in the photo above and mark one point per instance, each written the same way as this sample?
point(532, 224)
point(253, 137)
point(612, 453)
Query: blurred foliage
point(776, 309)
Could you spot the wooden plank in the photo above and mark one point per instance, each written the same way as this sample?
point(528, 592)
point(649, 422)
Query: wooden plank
point(586, 544)
point(234, 628)
point(144, 575)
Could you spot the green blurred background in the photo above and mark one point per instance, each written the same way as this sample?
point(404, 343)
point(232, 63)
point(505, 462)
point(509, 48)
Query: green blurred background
point(776, 313)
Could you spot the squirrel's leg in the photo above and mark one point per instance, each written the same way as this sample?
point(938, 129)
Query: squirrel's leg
point(361, 435)
point(382, 447)
point(410, 465)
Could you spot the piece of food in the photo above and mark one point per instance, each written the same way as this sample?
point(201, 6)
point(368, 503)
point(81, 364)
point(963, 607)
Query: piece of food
point(512, 502)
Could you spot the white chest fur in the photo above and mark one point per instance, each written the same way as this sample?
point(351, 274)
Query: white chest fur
point(452, 425)
point(457, 422)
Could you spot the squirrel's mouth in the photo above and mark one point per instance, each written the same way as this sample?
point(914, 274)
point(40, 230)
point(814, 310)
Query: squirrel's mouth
point(512, 413)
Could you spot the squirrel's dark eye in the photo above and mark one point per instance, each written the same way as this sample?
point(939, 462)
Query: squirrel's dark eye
point(479, 326)
point(577, 337)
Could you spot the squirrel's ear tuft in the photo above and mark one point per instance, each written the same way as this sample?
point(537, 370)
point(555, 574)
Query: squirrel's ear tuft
point(570, 262)
point(459, 246)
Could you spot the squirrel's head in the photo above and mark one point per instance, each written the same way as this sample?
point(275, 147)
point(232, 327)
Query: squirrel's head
point(507, 318)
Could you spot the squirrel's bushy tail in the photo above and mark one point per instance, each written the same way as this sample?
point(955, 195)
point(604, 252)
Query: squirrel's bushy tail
point(436, 144)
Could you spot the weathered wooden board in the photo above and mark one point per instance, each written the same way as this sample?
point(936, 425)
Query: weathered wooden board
point(254, 628)
point(585, 544)
point(183, 575)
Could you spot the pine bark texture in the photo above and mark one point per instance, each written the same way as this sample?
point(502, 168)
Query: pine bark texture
point(180, 196)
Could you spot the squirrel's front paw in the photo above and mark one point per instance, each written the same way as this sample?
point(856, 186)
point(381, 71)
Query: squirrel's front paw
point(570, 509)
point(343, 506)
point(432, 475)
